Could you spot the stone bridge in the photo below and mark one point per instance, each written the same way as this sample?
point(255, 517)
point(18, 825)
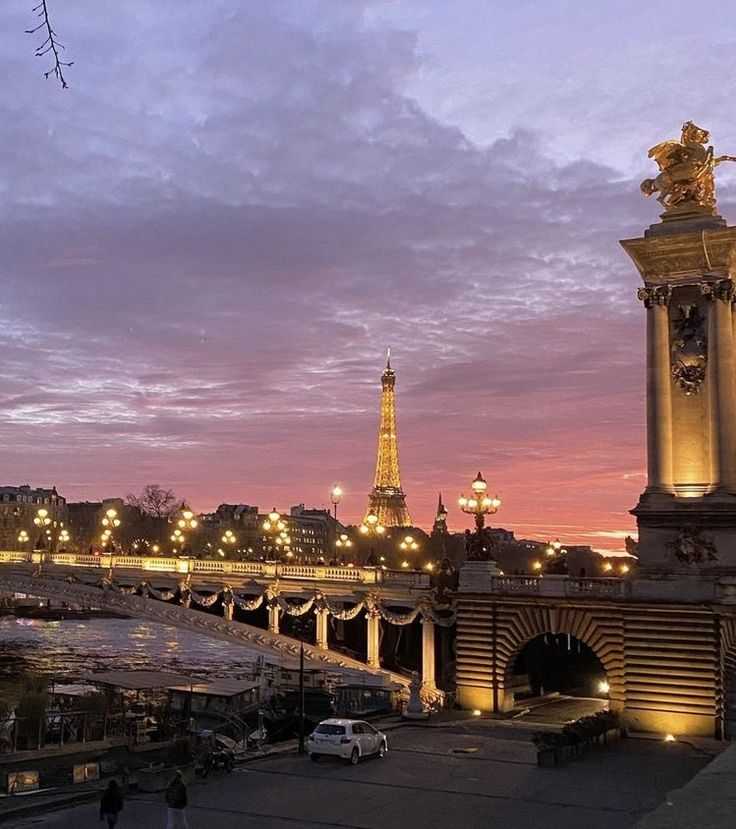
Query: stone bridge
point(167, 590)
point(666, 644)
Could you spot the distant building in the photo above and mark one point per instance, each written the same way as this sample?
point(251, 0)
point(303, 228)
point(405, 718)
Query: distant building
point(19, 505)
point(312, 531)
point(232, 517)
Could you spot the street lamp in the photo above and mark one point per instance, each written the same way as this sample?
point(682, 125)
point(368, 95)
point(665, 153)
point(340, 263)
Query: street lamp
point(408, 545)
point(45, 523)
point(335, 496)
point(275, 526)
point(110, 522)
point(554, 547)
point(478, 505)
point(22, 538)
point(229, 538)
point(372, 527)
point(555, 560)
point(178, 538)
point(185, 524)
point(63, 539)
point(343, 542)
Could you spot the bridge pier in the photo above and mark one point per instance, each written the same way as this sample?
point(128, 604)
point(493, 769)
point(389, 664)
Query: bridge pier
point(428, 655)
point(322, 617)
point(373, 618)
point(273, 618)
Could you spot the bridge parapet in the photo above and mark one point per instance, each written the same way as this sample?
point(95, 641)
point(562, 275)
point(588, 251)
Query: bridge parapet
point(559, 586)
point(258, 569)
point(687, 589)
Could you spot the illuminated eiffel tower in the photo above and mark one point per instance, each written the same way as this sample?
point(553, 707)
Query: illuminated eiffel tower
point(387, 500)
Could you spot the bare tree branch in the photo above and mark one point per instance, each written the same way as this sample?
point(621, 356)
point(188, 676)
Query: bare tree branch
point(50, 44)
point(155, 501)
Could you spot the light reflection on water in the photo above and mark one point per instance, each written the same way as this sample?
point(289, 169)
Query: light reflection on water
point(70, 648)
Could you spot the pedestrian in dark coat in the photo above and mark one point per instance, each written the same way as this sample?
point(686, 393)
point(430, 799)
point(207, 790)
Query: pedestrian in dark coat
point(111, 804)
point(176, 799)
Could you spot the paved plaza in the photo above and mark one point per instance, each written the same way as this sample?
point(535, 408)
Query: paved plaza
point(473, 774)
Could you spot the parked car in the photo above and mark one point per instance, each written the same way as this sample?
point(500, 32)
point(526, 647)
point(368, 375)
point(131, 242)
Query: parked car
point(349, 739)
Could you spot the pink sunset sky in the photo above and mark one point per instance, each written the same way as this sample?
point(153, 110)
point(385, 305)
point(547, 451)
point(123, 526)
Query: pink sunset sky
point(209, 240)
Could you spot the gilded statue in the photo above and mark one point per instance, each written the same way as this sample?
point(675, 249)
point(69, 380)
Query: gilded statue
point(686, 167)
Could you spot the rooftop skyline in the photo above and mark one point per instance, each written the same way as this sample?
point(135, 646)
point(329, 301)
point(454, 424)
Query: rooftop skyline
point(209, 240)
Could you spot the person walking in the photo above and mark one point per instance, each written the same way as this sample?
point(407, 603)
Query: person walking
point(111, 803)
point(176, 799)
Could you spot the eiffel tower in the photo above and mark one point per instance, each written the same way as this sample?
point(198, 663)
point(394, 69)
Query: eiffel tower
point(387, 500)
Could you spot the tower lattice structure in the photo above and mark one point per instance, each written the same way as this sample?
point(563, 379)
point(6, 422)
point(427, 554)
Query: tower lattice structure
point(387, 499)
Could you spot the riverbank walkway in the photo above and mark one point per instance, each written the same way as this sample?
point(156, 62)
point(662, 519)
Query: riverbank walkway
point(471, 772)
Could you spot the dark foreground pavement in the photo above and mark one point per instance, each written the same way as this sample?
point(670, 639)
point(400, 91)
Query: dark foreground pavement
point(473, 774)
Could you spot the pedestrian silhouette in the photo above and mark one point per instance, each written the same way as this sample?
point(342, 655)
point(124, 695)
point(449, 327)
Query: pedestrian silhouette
point(176, 799)
point(111, 803)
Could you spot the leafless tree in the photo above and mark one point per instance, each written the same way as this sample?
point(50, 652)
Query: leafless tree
point(155, 501)
point(51, 44)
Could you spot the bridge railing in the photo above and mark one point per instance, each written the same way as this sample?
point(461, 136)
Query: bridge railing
point(184, 566)
point(554, 585)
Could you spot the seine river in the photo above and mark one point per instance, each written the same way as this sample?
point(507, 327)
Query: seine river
point(67, 650)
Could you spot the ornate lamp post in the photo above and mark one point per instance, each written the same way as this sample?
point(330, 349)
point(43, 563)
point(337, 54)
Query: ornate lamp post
point(555, 558)
point(179, 540)
point(22, 538)
point(478, 505)
point(343, 543)
point(229, 539)
point(185, 524)
point(63, 539)
point(335, 495)
point(275, 527)
point(408, 545)
point(372, 527)
point(554, 547)
point(110, 522)
point(47, 525)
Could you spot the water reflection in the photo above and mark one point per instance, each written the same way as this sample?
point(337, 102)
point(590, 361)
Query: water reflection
point(68, 649)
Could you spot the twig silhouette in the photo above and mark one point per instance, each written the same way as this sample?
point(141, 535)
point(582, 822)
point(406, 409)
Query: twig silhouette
point(50, 44)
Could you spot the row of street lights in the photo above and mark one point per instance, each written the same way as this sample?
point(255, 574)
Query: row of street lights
point(479, 505)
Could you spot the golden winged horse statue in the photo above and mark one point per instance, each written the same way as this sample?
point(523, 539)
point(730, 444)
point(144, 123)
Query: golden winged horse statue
point(686, 169)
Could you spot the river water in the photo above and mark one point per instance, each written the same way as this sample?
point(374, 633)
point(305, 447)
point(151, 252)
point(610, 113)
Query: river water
point(67, 650)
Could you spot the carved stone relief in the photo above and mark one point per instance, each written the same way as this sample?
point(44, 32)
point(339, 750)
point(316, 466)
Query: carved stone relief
point(690, 547)
point(689, 348)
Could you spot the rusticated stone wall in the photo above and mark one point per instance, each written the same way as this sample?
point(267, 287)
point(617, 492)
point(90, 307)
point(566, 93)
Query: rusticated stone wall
point(666, 664)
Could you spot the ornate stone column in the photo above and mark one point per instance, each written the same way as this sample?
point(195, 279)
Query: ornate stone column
point(721, 356)
point(273, 617)
point(373, 618)
point(428, 656)
point(659, 388)
point(322, 618)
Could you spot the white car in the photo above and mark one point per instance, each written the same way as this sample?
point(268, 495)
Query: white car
point(349, 739)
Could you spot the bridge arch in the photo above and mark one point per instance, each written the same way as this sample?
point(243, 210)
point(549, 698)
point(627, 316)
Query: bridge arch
point(598, 628)
point(491, 635)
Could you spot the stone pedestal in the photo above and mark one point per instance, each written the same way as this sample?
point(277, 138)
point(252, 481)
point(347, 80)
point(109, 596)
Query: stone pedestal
point(477, 576)
point(415, 708)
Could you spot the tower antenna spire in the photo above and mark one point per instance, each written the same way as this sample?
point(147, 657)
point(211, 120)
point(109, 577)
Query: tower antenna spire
point(388, 357)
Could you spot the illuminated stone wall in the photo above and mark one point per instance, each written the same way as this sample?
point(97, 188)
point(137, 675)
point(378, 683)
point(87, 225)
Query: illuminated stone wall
point(665, 664)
